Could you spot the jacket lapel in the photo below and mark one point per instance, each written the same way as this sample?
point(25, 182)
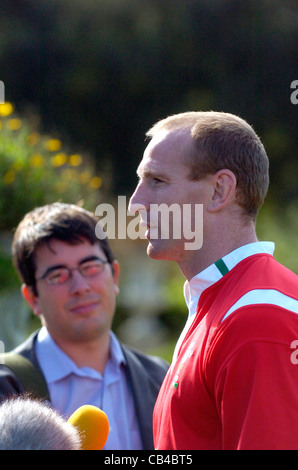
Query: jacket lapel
point(144, 391)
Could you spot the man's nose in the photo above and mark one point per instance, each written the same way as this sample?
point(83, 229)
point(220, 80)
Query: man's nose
point(78, 283)
point(137, 202)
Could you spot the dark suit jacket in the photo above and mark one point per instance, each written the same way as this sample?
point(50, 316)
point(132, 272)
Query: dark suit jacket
point(145, 374)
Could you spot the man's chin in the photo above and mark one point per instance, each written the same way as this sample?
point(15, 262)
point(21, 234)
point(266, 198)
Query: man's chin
point(152, 250)
point(158, 250)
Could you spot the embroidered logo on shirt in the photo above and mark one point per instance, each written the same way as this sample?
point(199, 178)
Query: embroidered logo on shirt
point(186, 356)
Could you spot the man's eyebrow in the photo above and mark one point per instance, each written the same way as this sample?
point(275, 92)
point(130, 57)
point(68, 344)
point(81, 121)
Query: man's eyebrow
point(52, 268)
point(91, 258)
point(149, 173)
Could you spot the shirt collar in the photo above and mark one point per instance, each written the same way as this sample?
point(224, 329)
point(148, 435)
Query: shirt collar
point(57, 365)
point(194, 288)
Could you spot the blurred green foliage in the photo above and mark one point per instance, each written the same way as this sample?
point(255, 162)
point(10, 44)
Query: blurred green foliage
point(8, 275)
point(279, 223)
point(35, 169)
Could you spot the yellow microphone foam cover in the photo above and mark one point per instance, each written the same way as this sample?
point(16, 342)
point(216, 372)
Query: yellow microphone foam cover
point(93, 425)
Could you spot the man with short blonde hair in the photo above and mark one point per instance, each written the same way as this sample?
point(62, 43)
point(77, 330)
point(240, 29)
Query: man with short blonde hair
point(232, 383)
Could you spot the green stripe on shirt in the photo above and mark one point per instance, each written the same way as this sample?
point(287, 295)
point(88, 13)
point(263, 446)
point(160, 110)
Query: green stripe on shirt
point(221, 266)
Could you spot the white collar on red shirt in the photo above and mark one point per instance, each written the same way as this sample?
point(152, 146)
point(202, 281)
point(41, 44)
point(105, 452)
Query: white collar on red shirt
point(194, 288)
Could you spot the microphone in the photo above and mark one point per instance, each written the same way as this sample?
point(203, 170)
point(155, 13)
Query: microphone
point(93, 426)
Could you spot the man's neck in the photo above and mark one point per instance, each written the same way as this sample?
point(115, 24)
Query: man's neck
point(215, 247)
point(93, 353)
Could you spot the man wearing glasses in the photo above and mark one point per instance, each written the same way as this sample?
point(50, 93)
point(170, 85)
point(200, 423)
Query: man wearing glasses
point(70, 280)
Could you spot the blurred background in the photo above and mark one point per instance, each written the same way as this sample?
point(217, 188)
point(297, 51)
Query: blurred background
point(85, 79)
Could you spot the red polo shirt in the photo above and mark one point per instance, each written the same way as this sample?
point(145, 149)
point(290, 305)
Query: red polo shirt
point(234, 383)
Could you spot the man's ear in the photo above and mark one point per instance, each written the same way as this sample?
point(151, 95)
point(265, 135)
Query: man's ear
point(31, 299)
point(224, 187)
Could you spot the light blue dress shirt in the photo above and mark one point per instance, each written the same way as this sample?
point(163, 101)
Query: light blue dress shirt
point(71, 387)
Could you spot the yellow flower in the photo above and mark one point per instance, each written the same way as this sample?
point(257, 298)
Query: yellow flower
point(6, 109)
point(59, 159)
point(95, 182)
point(53, 145)
point(75, 160)
point(14, 124)
point(36, 160)
point(9, 176)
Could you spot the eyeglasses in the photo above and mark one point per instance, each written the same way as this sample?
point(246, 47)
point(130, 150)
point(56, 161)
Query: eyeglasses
point(60, 275)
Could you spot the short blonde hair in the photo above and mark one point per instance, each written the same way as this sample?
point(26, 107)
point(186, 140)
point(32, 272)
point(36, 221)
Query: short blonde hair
point(223, 140)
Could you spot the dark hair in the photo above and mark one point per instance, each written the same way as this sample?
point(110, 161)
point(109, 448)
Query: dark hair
point(65, 222)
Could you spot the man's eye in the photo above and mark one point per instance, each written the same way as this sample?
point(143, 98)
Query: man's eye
point(92, 268)
point(56, 276)
point(157, 180)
